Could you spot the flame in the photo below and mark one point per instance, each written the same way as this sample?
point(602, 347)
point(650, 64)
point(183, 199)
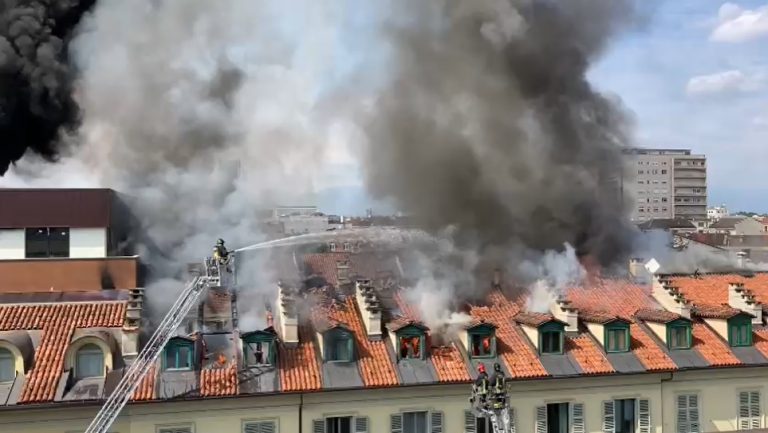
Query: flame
point(221, 360)
point(416, 345)
point(487, 344)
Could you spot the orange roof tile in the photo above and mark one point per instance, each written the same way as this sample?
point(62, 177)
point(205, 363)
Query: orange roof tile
point(519, 357)
point(449, 364)
point(712, 289)
point(590, 357)
point(618, 297)
point(298, 365)
point(219, 382)
point(375, 365)
point(711, 347)
point(648, 351)
point(146, 389)
point(57, 322)
point(325, 265)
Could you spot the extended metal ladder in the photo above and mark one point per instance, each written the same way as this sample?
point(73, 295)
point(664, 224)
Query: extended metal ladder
point(148, 355)
point(499, 426)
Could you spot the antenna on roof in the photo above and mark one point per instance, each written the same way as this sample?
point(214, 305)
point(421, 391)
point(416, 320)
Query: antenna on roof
point(652, 266)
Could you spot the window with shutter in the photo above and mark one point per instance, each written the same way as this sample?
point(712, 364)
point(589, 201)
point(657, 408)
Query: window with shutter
point(338, 424)
point(688, 413)
point(749, 410)
point(609, 420)
point(436, 422)
point(470, 422)
point(512, 421)
point(577, 418)
point(318, 426)
point(541, 419)
point(361, 424)
point(643, 416)
point(259, 427)
point(396, 423)
point(175, 430)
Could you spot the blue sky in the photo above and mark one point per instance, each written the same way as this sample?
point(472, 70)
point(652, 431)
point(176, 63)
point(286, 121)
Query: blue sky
point(697, 77)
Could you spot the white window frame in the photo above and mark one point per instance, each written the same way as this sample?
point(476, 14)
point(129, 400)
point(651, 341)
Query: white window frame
point(160, 427)
point(689, 420)
point(353, 426)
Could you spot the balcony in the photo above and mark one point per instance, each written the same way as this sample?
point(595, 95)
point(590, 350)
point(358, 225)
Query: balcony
point(68, 275)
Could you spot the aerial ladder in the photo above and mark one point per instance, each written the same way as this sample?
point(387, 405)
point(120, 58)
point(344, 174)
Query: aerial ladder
point(214, 272)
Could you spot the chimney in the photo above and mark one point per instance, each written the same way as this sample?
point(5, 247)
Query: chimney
point(342, 272)
point(670, 297)
point(497, 278)
point(370, 308)
point(287, 316)
point(131, 323)
point(742, 299)
point(562, 310)
point(637, 270)
point(741, 259)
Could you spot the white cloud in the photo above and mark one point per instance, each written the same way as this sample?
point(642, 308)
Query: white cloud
point(736, 24)
point(725, 82)
point(761, 120)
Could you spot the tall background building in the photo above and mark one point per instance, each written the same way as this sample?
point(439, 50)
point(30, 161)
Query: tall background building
point(666, 183)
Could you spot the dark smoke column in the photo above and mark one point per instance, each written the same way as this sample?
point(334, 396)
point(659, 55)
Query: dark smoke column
point(35, 75)
point(489, 124)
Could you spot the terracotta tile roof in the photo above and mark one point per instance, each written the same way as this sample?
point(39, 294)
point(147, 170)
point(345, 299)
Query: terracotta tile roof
point(325, 265)
point(656, 315)
point(478, 322)
point(712, 289)
point(146, 389)
point(219, 382)
point(588, 354)
point(447, 360)
point(400, 322)
point(534, 319)
point(599, 317)
point(621, 298)
point(717, 311)
point(760, 340)
point(373, 360)
point(57, 322)
point(711, 347)
point(449, 365)
point(647, 351)
point(298, 365)
point(518, 355)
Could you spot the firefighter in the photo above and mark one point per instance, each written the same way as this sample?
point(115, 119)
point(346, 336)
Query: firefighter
point(220, 252)
point(497, 384)
point(480, 387)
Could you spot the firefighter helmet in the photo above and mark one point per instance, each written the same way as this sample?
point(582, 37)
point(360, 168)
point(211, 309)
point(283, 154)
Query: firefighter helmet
point(480, 368)
point(220, 242)
point(496, 367)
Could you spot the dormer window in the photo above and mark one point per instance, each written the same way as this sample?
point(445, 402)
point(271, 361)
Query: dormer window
point(411, 342)
point(89, 362)
point(482, 341)
point(178, 354)
point(338, 345)
point(259, 348)
point(617, 337)
point(679, 335)
point(740, 331)
point(551, 341)
point(332, 247)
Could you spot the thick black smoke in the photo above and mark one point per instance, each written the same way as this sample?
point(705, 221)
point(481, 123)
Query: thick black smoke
point(489, 125)
point(36, 77)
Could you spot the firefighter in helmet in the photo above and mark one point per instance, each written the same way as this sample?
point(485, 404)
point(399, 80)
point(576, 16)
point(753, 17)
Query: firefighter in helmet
point(497, 384)
point(480, 387)
point(220, 253)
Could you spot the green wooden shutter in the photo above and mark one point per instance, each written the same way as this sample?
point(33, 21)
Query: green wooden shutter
point(470, 422)
point(577, 418)
point(436, 422)
point(541, 419)
point(361, 424)
point(609, 419)
point(643, 416)
point(396, 423)
point(318, 426)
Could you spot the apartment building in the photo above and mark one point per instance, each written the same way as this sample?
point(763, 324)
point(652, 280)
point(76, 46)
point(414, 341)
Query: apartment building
point(666, 183)
point(335, 346)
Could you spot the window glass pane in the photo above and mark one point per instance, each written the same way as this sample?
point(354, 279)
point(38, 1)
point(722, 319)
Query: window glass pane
point(481, 345)
point(36, 242)
point(415, 422)
point(338, 425)
point(58, 242)
point(625, 415)
point(410, 347)
point(89, 362)
point(7, 366)
point(170, 357)
point(183, 357)
point(257, 353)
point(551, 342)
point(557, 418)
point(679, 337)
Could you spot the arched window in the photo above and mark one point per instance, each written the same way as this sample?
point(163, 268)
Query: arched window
point(7, 365)
point(89, 362)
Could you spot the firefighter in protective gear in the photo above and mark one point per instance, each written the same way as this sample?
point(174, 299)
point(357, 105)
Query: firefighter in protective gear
point(497, 386)
point(220, 252)
point(480, 387)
